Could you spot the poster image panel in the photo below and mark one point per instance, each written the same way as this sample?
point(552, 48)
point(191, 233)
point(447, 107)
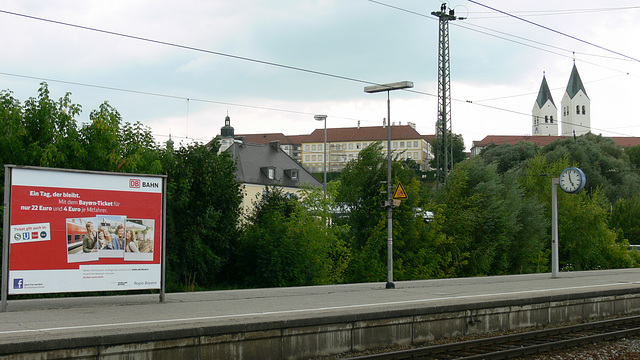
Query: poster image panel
point(139, 240)
point(81, 240)
point(73, 228)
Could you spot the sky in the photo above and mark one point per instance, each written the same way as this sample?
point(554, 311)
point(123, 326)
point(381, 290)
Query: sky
point(181, 67)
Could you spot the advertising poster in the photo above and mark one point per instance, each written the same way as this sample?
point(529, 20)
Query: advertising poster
point(84, 231)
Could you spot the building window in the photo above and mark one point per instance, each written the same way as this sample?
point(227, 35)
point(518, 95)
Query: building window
point(306, 148)
point(415, 144)
point(401, 144)
point(551, 119)
point(313, 158)
point(546, 119)
point(320, 147)
point(313, 147)
point(395, 144)
point(578, 109)
point(350, 146)
point(306, 158)
point(358, 146)
point(415, 155)
point(269, 171)
point(584, 112)
point(292, 174)
point(319, 157)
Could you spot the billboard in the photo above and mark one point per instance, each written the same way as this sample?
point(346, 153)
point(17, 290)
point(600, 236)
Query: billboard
point(73, 231)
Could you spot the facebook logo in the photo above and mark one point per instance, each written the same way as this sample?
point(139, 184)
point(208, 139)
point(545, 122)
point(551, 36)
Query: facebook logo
point(18, 283)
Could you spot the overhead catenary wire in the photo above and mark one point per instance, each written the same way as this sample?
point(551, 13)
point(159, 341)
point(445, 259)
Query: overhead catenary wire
point(468, 26)
point(556, 31)
point(230, 56)
point(192, 48)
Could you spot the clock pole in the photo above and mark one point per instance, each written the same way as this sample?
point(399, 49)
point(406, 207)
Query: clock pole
point(554, 227)
point(571, 180)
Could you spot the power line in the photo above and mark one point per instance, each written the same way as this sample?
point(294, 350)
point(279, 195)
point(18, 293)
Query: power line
point(466, 26)
point(535, 93)
point(170, 96)
point(192, 48)
point(233, 57)
point(531, 13)
point(555, 31)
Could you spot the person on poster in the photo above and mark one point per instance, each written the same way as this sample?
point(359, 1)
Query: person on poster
point(120, 236)
point(89, 239)
point(131, 244)
point(115, 242)
point(103, 240)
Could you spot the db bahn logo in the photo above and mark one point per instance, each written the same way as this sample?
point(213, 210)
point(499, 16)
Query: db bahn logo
point(134, 183)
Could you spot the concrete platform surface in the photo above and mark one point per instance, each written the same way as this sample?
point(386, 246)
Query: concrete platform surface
point(65, 318)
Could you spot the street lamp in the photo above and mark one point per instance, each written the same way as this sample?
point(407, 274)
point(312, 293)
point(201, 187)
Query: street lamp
point(324, 118)
point(389, 203)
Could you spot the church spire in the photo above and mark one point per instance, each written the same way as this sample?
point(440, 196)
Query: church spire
point(544, 93)
point(575, 83)
point(545, 112)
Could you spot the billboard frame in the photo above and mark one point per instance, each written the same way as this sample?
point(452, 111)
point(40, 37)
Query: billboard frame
point(8, 202)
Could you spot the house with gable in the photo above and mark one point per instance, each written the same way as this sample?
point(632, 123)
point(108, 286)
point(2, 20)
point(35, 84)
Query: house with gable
point(262, 165)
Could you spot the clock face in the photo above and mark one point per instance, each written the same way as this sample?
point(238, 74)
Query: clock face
point(572, 180)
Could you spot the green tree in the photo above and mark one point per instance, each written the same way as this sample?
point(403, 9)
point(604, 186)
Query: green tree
point(283, 244)
point(457, 147)
point(362, 190)
point(585, 240)
point(509, 156)
point(624, 216)
point(202, 215)
point(51, 135)
point(634, 156)
point(604, 163)
point(495, 228)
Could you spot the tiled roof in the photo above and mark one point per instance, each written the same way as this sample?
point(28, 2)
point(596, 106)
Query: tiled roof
point(369, 133)
point(514, 139)
point(624, 142)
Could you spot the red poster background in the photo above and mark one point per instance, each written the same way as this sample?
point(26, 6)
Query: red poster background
point(52, 254)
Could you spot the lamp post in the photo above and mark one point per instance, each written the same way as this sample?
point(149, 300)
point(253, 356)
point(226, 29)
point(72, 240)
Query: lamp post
point(389, 203)
point(324, 184)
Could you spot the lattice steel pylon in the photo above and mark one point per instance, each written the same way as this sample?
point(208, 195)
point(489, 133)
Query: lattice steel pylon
point(444, 151)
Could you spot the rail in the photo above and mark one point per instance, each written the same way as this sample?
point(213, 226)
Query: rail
point(521, 344)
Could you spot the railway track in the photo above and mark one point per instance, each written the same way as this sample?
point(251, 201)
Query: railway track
point(517, 345)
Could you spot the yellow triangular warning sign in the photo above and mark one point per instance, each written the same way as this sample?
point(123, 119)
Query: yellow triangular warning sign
point(400, 194)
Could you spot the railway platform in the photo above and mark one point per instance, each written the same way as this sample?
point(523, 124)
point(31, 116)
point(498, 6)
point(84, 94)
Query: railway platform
point(306, 322)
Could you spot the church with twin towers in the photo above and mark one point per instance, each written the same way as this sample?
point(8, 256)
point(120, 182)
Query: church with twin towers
point(575, 107)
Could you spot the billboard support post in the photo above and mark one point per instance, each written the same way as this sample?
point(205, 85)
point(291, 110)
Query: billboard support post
point(5, 237)
point(163, 254)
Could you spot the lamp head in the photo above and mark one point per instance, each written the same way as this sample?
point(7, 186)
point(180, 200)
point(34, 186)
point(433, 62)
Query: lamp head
point(320, 117)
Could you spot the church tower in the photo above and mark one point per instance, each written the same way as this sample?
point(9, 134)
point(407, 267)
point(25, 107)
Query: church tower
point(576, 107)
point(226, 134)
point(545, 113)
